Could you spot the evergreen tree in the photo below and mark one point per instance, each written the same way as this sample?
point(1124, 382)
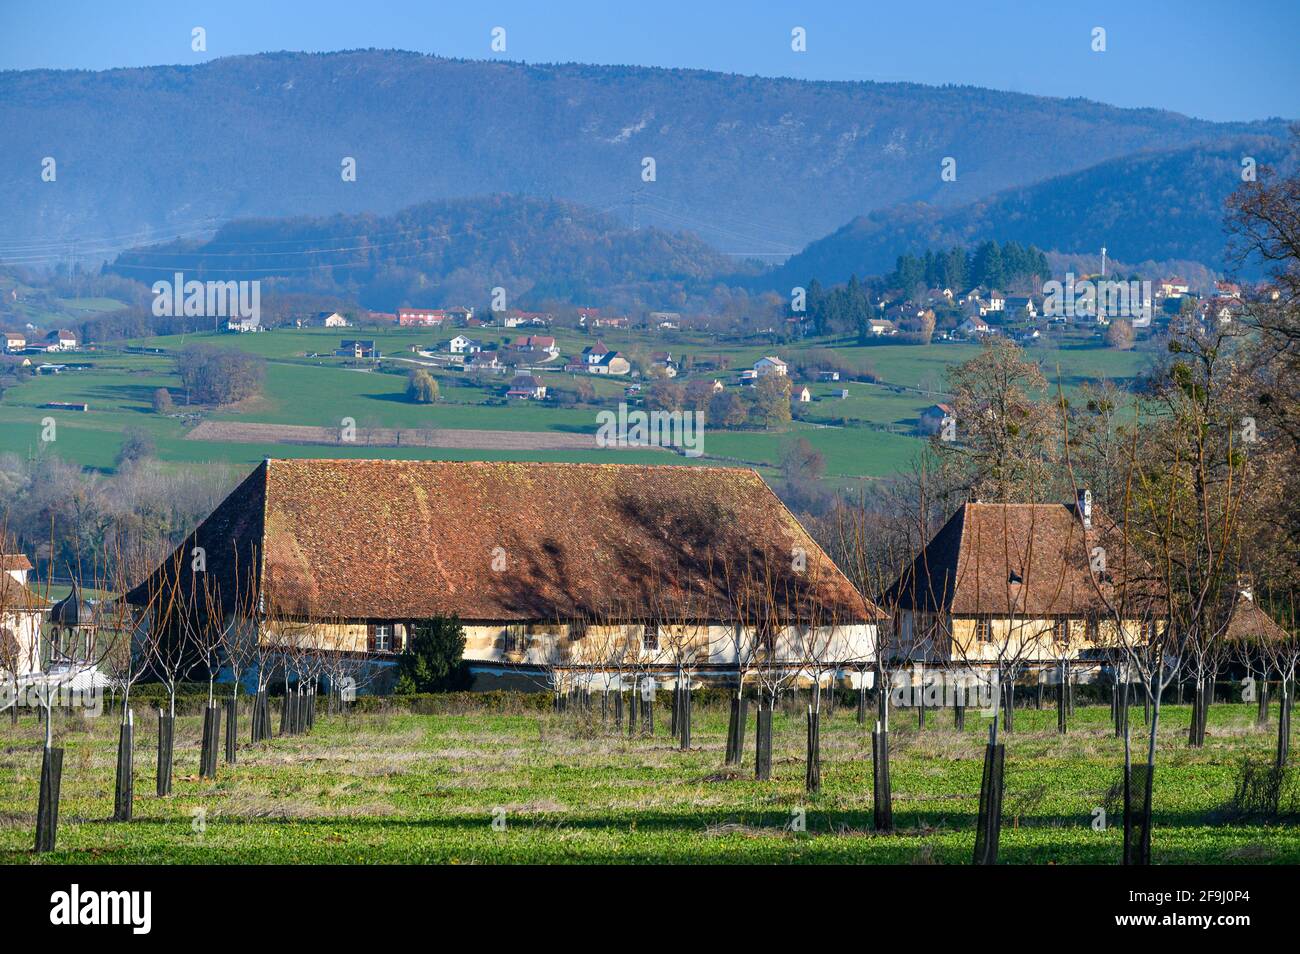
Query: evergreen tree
point(432, 661)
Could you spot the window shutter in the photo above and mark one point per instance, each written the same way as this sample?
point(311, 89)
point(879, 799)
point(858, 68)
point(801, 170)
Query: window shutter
point(370, 637)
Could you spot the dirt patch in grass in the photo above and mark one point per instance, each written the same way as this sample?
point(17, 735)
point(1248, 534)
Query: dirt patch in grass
point(249, 432)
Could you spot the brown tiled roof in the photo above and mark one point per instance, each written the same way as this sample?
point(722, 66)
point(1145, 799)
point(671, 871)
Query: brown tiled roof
point(1250, 624)
point(16, 598)
point(384, 539)
point(14, 561)
point(1022, 559)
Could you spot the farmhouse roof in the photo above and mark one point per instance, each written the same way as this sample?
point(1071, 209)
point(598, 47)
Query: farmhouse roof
point(1250, 624)
point(1027, 560)
point(14, 596)
point(389, 539)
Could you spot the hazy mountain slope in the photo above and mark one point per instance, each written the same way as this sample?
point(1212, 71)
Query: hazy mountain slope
point(448, 252)
point(753, 164)
point(1156, 205)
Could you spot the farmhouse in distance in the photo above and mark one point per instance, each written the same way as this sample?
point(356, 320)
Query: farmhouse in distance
point(1022, 580)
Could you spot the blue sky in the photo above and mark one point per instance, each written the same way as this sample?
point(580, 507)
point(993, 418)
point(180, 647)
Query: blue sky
point(1216, 60)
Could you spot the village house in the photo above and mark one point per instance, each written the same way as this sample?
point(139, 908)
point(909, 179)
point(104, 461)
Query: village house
point(1021, 581)
point(15, 341)
point(21, 616)
point(770, 365)
point(483, 361)
point(882, 326)
point(61, 341)
point(611, 363)
point(331, 319)
point(1021, 306)
point(828, 375)
point(527, 387)
point(1224, 310)
point(595, 318)
point(556, 571)
point(462, 345)
point(803, 395)
point(422, 317)
point(594, 354)
point(975, 326)
point(663, 361)
point(932, 418)
point(1175, 287)
point(244, 325)
point(358, 350)
point(515, 318)
point(535, 344)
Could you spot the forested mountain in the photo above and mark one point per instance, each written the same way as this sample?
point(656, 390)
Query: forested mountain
point(448, 252)
point(1159, 206)
point(752, 165)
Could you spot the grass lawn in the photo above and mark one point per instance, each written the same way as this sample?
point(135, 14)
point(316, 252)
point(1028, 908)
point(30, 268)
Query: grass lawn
point(871, 433)
point(406, 788)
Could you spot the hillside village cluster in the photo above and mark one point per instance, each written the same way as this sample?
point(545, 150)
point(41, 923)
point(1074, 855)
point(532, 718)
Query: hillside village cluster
point(953, 314)
point(949, 315)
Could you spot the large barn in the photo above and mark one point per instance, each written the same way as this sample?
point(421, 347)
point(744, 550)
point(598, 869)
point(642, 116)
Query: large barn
point(1032, 582)
point(580, 567)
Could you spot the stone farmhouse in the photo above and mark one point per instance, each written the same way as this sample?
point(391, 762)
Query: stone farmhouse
point(550, 567)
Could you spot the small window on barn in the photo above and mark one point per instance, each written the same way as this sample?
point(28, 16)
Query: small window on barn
point(1061, 631)
point(516, 639)
point(650, 637)
point(983, 630)
point(1093, 630)
point(577, 630)
point(381, 640)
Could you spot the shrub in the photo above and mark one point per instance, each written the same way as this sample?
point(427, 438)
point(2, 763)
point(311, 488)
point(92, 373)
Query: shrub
point(433, 660)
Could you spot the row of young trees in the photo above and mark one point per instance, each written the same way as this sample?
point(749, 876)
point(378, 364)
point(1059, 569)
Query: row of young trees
point(174, 627)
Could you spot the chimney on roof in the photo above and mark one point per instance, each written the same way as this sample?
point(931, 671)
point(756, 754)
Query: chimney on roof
point(1083, 502)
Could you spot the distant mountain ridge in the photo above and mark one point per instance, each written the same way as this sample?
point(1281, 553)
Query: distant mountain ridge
point(443, 253)
point(751, 164)
point(1156, 206)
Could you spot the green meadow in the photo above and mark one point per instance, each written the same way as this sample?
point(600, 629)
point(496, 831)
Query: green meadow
point(870, 433)
point(399, 787)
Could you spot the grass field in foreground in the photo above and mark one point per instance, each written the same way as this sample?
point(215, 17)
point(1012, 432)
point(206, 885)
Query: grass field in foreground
point(419, 788)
